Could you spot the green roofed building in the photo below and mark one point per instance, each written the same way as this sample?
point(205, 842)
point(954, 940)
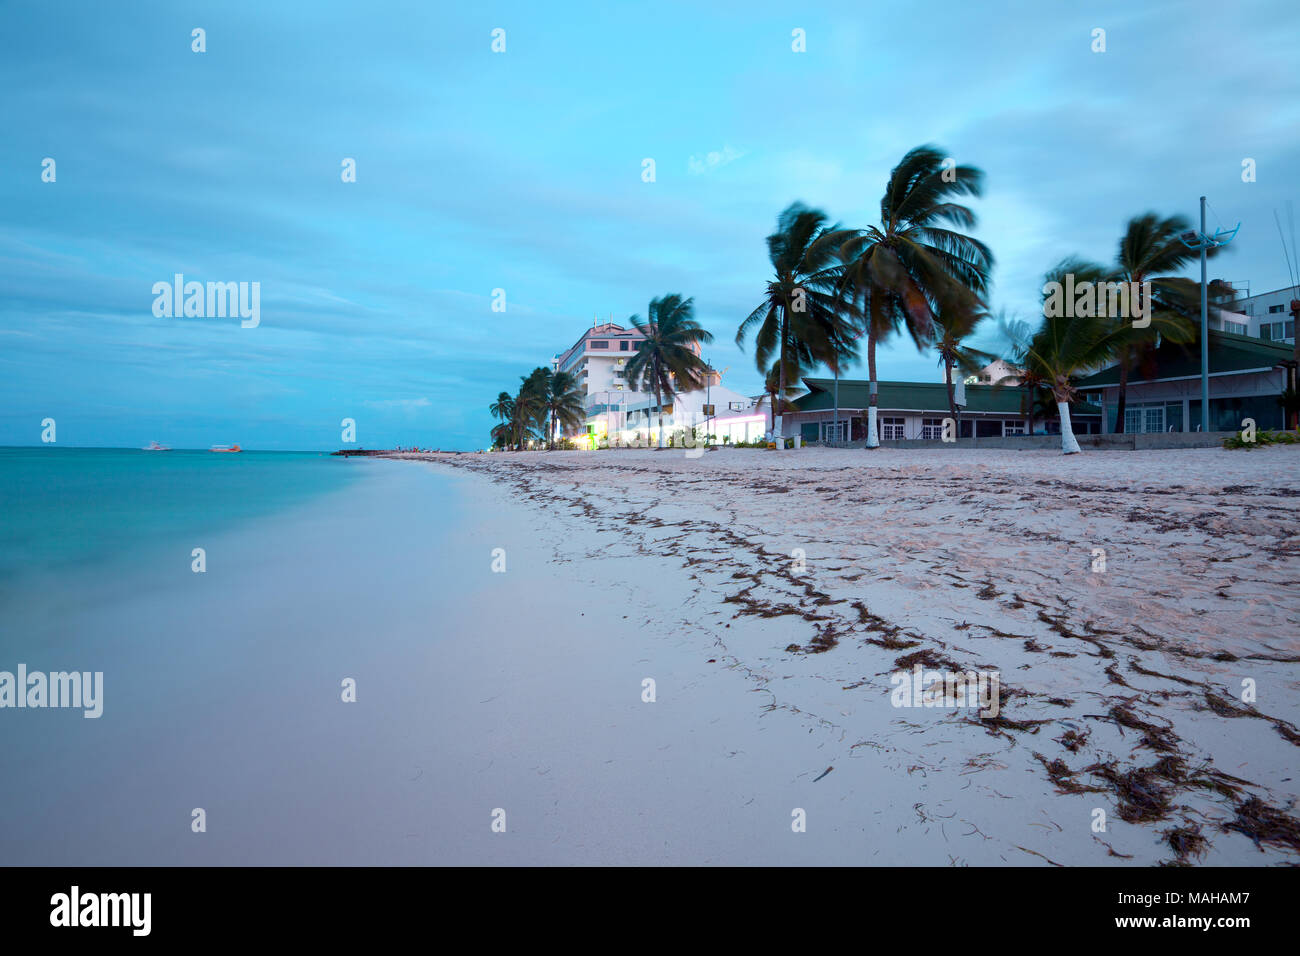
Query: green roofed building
point(1164, 391)
point(916, 410)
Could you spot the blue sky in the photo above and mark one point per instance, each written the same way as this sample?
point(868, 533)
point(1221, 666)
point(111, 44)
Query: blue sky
point(522, 171)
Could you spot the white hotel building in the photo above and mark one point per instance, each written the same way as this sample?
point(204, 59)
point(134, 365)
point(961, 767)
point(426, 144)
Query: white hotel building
point(618, 413)
point(1264, 316)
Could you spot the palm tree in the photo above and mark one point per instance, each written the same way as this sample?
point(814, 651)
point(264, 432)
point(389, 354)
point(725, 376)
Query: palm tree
point(668, 359)
point(803, 305)
point(1065, 347)
point(771, 389)
point(504, 409)
point(1150, 251)
point(1019, 334)
point(954, 356)
point(530, 404)
point(910, 266)
point(564, 404)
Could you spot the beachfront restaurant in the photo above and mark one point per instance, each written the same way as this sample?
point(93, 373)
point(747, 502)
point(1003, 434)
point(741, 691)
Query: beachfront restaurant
point(1164, 388)
point(908, 411)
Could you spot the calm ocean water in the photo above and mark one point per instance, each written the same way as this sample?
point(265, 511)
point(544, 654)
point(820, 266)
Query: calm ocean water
point(65, 507)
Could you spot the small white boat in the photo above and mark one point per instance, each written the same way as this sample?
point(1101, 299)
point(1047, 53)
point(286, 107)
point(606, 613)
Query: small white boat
point(226, 448)
point(154, 446)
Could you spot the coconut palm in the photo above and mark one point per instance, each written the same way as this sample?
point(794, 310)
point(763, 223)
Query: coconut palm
point(1030, 380)
point(771, 389)
point(564, 404)
point(504, 409)
point(1150, 250)
point(795, 324)
point(957, 358)
point(668, 359)
point(911, 266)
point(1065, 347)
point(530, 405)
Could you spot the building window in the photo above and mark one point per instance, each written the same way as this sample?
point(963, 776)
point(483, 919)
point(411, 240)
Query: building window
point(891, 428)
point(835, 431)
point(931, 428)
point(598, 344)
point(1016, 427)
point(622, 346)
point(1144, 419)
point(1274, 308)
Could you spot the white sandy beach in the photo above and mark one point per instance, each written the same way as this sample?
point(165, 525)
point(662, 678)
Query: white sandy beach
point(1123, 687)
point(523, 690)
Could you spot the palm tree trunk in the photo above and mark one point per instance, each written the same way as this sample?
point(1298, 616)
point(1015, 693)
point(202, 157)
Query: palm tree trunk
point(836, 431)
point(952, 393)
point(873, 436)
point(1029, 410)
point(1121, 401)
point(780, 395)
point(1069, 444)
point(659, 402)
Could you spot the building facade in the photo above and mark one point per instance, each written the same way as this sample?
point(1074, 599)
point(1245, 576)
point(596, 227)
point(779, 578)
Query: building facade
point(1264, 316)
point(916, 410)
point(1247, 375)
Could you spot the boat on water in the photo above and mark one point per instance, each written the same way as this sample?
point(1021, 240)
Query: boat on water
point(226, 448)
point(154, 446)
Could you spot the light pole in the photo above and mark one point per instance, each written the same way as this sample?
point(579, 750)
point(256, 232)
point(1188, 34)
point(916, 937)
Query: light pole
point(1204, 243)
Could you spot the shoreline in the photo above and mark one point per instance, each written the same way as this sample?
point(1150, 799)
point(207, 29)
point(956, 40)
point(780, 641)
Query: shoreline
point(523, 690)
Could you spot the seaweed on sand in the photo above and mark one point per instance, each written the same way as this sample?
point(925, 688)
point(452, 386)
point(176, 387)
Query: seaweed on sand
point(1141, 797)
point(1186, 841)
point(1265, 824)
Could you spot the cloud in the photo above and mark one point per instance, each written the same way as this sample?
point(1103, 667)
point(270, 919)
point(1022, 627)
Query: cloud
point(403, 403)
point(713, 160)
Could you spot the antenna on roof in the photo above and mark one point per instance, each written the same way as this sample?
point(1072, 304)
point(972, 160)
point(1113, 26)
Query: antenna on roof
point(1286, 255)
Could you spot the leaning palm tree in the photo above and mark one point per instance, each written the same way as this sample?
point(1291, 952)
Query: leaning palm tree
point(910, 266)
point(1030, 380)
point(668, 359)
point(502, 434)
point(801, 309)
point(954, 355)
point(1065, 347)
point(564, 404)
point(1151, 251)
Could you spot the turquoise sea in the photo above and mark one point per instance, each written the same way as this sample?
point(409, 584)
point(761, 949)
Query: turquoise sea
point(67, 507)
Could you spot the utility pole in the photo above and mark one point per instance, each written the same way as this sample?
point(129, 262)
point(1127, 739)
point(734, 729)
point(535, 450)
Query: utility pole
point(1205, 330)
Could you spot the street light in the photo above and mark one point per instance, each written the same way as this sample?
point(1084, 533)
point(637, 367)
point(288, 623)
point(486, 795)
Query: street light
point(1203, 242)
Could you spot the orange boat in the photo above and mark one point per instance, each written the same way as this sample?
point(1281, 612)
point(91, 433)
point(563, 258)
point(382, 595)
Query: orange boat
point(226, 448)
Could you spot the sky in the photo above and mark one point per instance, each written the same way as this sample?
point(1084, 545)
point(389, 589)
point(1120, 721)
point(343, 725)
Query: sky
point(522, 171)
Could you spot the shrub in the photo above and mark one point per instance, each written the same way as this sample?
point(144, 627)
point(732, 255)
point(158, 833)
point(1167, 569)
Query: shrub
point(1233, 442)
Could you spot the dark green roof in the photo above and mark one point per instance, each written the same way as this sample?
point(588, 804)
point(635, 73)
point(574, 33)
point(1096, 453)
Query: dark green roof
point(1229, 352)
point(916, 397)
